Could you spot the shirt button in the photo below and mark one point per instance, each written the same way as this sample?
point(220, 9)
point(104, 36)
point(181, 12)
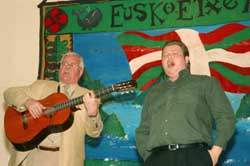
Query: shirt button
point(166, 133)
point(166, 120)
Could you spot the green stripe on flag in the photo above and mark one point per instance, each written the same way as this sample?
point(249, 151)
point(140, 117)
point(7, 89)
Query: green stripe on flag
point(148, 75)
point(134, 40)
point(231, 40)
point(231, 75)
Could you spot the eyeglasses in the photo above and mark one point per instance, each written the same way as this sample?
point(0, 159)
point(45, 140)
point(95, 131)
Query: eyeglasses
point(64, 64)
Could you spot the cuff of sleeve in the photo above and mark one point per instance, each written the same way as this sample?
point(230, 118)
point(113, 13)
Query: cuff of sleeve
point(94, 120)
point(221, 143)
point(21, 108)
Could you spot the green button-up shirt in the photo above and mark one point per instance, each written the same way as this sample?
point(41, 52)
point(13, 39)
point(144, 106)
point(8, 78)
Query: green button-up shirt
point(183, 112)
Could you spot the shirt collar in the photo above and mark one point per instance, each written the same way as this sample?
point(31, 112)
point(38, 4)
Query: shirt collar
point(182, 73)
point(71, 86)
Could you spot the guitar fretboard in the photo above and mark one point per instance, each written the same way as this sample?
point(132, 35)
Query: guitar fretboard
point(78, 100)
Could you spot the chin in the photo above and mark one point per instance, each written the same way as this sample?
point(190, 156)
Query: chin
point(64, 80)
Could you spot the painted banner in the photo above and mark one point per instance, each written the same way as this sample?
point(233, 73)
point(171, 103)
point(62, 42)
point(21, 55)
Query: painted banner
point(122, 40)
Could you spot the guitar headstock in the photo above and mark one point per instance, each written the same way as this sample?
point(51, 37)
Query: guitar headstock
point(124, 86)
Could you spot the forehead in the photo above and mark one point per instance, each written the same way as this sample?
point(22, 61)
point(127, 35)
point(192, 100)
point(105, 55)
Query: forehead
point(71, 58)
point(172, 48)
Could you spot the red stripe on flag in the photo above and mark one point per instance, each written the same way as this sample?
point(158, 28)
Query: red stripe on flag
point(169, 36)
point(149, 83)
point(227, 85)
point(145, 67)
point(137, 51)
point(241, 70)
point(220, 33)
point(240, 47)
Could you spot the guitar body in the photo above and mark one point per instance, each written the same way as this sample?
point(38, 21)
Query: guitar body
point(25, 132)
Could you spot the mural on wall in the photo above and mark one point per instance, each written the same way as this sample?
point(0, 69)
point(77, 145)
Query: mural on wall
point(121, 40)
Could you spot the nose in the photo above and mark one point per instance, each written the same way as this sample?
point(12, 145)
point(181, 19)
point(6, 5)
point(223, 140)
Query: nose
point(170, 57)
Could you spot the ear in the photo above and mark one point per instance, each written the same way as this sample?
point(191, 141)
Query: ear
point(81, 72)
point(186, 59)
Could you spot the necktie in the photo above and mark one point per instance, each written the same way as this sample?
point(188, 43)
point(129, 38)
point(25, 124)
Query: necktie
point(66, 90)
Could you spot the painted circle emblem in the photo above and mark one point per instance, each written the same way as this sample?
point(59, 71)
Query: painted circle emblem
point(55, 20)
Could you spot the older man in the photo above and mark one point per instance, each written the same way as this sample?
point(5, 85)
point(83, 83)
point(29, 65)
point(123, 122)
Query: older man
point(65, 148)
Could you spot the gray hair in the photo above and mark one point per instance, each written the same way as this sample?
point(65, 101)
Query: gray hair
point(81, 65)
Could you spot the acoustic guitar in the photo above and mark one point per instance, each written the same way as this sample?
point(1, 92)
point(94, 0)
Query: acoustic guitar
point(25, 132)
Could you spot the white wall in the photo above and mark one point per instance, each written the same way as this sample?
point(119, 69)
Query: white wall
point(19, 32)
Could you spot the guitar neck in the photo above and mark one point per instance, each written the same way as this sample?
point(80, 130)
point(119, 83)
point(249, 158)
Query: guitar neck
point(78, 100)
